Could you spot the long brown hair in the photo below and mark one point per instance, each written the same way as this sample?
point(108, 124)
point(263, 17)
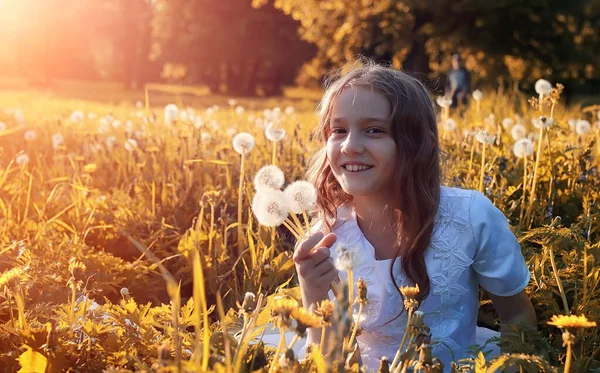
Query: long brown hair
point(418, 174)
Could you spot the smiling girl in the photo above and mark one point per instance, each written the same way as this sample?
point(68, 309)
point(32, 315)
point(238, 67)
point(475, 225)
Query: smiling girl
point(379, 190)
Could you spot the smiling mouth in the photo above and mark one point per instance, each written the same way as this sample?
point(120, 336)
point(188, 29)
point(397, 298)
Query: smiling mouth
point(356, 168)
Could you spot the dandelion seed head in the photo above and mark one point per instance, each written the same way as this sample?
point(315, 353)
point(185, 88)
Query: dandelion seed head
point(270, 208)
point(29, 135)
point(171, 112)
point(273, 133)
point(2, 126)
point(125, 292)
point(443, 101)
point(290, 110)
point(301, 196)
point(198, 123)
point(543, 87)
point(130, 145)
point(518, 131)
point(110, 142)
point(507, 123)
point(19, 116)
point(523, 147)
point(57, 140)
point(232, 102)
point(139, 104)
point(450, 124)
point(184, 116)
point(582, 127)
point(77, 116)
point(243, 143)
point(484, 137)
point(239, 110)
point(542, 122)
point(490, 119)
point(347, 256)
point(22, 159)
point(477, 95)
point(230, 131)
point(270, 177)
point(205, 136)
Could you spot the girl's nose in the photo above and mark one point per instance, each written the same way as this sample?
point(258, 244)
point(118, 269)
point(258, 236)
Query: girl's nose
point(352, 143)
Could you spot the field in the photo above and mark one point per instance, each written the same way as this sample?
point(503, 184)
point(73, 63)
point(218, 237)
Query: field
point(120, 244)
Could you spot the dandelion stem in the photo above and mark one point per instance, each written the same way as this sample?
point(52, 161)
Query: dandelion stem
point(568, 360)
point(523, 198)
point(482, 173)
point(298, 225)
point(399, 352)
point(322, 343)
point(355, 329)
point(240, 196)
point(350, 292)
point(275, 360)
point(535, 168)
point(558, 282)
point(471, 159)
point(306, 222)
point(292, 230)
point(293, 342)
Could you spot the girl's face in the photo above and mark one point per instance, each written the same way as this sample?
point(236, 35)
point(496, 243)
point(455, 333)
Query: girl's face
point(360, 148)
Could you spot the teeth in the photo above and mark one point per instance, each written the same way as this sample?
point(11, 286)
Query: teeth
point(355, 167)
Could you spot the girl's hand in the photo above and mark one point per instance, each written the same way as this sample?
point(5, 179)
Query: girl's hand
point(314, 266)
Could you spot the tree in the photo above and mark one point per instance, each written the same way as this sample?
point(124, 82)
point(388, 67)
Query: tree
point(229, 45)
point(555, 39)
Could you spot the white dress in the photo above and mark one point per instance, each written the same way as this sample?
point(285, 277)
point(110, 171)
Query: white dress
point(471, 245)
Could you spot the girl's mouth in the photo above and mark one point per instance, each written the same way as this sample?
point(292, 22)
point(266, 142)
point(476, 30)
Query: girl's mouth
point(356, 167)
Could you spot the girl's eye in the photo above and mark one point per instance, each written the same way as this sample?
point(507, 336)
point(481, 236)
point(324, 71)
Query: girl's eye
point(337, 130)
point(374, 130)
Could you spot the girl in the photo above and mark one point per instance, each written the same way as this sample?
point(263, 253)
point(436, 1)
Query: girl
point(378, 182)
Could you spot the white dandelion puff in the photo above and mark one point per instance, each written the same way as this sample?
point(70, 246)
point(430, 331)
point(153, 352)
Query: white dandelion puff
point(490, 119)
point(2, 126)
point(116, 123)
point(270, 177)
point(19, 115)
point(507, 123)
point(347, 257)
point(232, 102)
point(484, 137)
point(273, 133)
point(518, 131)
point(130, 145)
point(542, 122)
point(92, 115)
point(543, 87)
point(29, 135)
point(205, 136)
point(582, 127)
point(289, 111)
point(110, 142)
point(198, 123)
point(301, 196)
point(477, 95)
point(270, 208)
point(450, 124)
point(103, 127)
point(57, 140)
point(533, 136)
point(239, 110)
point(243, 143)
point(230, 132)
point(443, 101)
point(523, 147)
point(77, 116)
point(214, 125)
point(22, 159)
point(139, 104)
point(184, 116)
point(171, 112)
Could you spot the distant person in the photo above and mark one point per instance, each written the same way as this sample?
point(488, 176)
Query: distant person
point(458, 85)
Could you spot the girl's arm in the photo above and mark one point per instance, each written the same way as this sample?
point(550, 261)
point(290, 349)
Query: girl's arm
point(514, 310)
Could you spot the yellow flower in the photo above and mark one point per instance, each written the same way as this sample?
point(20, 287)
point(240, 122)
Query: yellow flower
point(410, 292)
point(12, 277)
point(571, 322)
point(282, 310)
point(90, 168)
point(325, 311)
point(305, 319)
